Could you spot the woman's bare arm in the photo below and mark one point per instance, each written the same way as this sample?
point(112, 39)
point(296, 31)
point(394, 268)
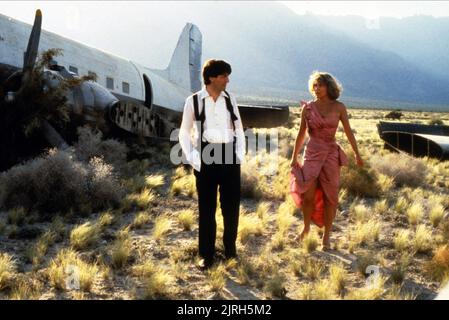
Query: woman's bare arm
point(349, 134)
point(300, 138)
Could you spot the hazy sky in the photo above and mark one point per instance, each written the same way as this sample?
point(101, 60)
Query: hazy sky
point(371, 9)
point(23, 10)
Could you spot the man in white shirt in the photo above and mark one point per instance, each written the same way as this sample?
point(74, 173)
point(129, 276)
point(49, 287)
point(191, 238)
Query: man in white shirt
point(215, 155)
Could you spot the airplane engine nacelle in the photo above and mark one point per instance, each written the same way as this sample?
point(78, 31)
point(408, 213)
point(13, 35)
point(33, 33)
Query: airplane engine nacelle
point(92, 97)
point(89, 102)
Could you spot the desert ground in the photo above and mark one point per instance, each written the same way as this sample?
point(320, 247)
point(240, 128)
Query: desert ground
point(90, 224)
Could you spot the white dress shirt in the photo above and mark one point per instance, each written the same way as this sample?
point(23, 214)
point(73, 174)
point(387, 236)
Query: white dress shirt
point(217, 127)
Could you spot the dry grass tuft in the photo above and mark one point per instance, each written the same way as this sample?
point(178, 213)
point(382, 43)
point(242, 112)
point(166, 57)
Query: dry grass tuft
point(275, 285)
point(187, 219)
point(162, 226)
point(157, 282)
point(67, 271)
point(183, 184)
point(141, 219)
point(216, 278)
point(415, 213)
point(310, 242)
point(7, 269)
point(402, 240)
point(84, 235)
point(422, 241)
point(338, 277)
point(438, 267)
point(249, 226)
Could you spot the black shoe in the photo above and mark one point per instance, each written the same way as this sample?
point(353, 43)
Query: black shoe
point(231, 256)
point(205, 264)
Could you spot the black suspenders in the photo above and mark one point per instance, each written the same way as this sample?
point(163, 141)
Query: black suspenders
point(230, 109)
point(199, 117)
point(202, 116)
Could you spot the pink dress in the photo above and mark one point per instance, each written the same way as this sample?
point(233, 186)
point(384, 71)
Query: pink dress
point(323, 158)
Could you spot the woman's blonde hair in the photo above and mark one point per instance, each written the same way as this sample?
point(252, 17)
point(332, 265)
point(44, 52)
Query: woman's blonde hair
point(334, 88)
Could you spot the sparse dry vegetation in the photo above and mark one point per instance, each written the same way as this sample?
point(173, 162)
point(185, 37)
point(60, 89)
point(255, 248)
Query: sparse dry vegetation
point(186, 218)
point(58, 182)
point(68, 271)
point(128, 227)
point(403, 169)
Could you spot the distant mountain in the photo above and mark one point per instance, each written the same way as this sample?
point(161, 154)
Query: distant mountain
point(273, 50)
point(422, 40)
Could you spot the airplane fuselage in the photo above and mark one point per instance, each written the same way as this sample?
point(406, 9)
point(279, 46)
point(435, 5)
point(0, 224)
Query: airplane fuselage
point(125, 79)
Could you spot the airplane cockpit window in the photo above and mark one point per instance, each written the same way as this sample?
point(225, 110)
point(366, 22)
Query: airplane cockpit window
point(73, 69)
point(125, 87)
point(110, 83)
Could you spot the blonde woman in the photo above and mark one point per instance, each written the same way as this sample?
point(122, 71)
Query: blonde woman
point(315, 182)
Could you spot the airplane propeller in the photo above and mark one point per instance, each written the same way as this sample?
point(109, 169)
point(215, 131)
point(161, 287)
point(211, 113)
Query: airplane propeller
point(30, 56)
point(15, 83)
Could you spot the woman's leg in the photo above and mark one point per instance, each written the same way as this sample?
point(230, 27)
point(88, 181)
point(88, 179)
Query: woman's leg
point(307, 208)
point(329, 216)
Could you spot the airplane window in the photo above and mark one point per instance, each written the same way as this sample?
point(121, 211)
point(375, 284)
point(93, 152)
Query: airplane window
point(92, 74)
point(110, 83)
point(125, 87)
point(73, 69)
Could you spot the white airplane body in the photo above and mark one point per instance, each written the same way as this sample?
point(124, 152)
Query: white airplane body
point(125, 79)
point(136, 98)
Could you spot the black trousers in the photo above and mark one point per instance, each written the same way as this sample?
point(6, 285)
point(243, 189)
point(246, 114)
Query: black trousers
point(225, 178)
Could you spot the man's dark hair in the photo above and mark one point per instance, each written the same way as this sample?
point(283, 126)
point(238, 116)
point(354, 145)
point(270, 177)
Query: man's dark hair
point(214, 68)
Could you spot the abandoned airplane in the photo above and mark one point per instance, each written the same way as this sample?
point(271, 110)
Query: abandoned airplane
point(418, 140)
point(137, 99)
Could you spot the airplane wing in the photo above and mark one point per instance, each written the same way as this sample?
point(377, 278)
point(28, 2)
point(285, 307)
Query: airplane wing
point(416, 139)
point(263, 116)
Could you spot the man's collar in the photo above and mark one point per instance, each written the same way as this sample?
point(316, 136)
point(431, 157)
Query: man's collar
point(204, 94)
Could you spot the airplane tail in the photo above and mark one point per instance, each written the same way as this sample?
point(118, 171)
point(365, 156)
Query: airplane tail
point(185, 65)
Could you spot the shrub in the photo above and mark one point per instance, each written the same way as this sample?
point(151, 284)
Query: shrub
point(438, 267)
point(91, 145)
point(56, 182)
point(435, 121)
point(359, 181)
point(404, 169)
point(394, 115)
point(250, 186)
